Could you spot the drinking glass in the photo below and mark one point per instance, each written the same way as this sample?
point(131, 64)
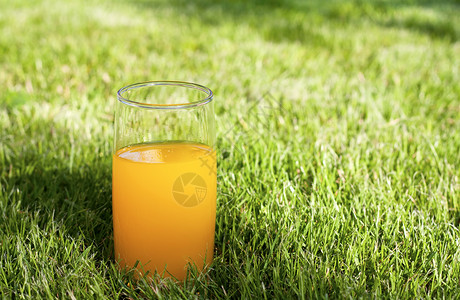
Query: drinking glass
point(164, 177)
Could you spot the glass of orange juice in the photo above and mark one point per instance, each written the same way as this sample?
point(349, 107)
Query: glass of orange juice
point(164, 177)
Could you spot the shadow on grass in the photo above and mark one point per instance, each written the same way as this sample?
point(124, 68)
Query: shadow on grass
point(432, 20)
point(298, 21)
point(80, 199)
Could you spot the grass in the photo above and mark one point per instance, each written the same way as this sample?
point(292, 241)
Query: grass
point(338, 130)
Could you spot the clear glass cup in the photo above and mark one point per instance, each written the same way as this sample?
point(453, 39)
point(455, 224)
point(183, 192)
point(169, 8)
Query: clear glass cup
point(164, 177)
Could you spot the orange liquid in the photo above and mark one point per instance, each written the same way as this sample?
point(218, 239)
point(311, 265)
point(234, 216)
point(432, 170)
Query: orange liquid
point(164, 206)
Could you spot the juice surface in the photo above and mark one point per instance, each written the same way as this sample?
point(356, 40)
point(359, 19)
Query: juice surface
point(164, 206)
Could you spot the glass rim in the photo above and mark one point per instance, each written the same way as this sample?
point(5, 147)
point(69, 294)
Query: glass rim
point(185, 105)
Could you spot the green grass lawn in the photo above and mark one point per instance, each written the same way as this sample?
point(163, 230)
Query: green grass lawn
point(338, 131)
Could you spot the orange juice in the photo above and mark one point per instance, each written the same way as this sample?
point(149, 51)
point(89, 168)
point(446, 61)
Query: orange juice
point(164, 206)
